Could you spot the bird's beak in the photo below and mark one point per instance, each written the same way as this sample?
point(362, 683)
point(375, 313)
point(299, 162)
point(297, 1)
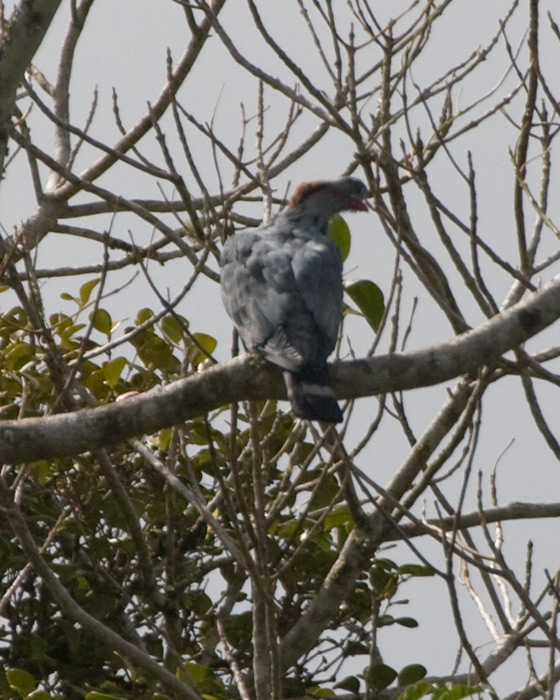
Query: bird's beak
point(364, 205)
point(361, 205)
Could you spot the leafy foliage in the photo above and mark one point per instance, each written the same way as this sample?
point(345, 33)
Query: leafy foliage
point(139, 558)
point(245, 553)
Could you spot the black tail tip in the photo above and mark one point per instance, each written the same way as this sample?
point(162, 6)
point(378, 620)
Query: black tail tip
point(312, 397)
point(317, 408)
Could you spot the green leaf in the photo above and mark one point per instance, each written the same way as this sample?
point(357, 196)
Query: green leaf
point(350, 683)
point(21, 681)
point(143, 315)
point(174, 327)
point(378, 579)
point(417, 691)
point(238, 628)
point(202, 677)
point(39, 694)
point(326, 493)
point(369, 299)
point(67, 330)
point(204, 346)
point(385, 564)
point(381, 675)
point(353, 648)
point(338, 517)
point(112, 370)
point(86, 289)
point(37, 647)
point(42, 471)
point(416, 570)
point(18, 355)
point(164, 438)
point(94, 695)
point(409, 622)
point(96, 383)
point(155, 352)
point(197, 601)
point(385, 620)
point(316, 691)
point(411, 674)
point(102, 321)
point(340, 234)
point(383, 582)
point(456, 692)
point(285, 530)
point(60, 322)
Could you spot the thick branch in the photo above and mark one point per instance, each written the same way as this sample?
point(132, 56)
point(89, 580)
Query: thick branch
point(247, 377)
point(494, 514)
point(23, 36)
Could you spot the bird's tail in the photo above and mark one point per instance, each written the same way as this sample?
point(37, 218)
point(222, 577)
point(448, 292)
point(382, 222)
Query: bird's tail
point(311, 395)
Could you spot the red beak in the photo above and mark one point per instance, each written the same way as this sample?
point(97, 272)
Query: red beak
point(361, 205)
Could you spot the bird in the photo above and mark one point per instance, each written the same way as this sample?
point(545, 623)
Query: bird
point(281, 284)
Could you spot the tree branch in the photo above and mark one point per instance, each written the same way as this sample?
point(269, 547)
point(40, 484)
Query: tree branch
point(494, 514)
point(23, 36)
point(248, 377)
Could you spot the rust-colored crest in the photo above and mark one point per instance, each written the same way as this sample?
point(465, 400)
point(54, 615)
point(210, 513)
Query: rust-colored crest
point(304, 190)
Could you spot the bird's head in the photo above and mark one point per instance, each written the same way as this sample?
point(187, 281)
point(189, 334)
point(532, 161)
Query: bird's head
point(331, 196)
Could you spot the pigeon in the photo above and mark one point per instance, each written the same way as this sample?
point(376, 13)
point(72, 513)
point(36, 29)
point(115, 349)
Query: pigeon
point(281, 285)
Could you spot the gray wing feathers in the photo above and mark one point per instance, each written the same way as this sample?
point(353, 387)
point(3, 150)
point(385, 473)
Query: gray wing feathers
point(284, 294)
point(318, 270)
